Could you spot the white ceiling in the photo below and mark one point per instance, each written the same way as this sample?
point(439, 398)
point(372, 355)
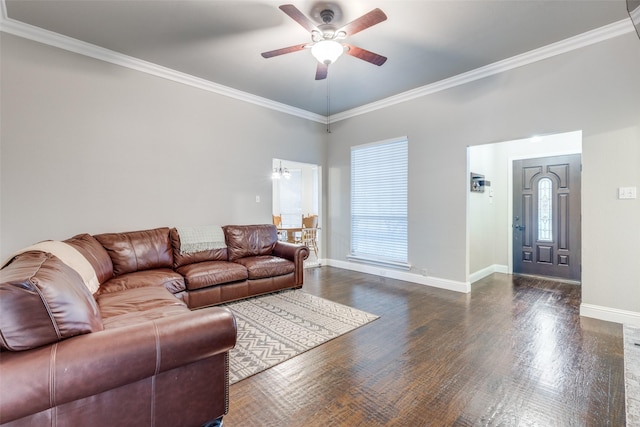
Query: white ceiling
point(221, 41)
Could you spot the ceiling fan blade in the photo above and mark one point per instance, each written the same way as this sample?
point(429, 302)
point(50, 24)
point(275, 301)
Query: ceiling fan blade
point(365, 55)
point(367, 20)
point(272, 53)
point(321, 71)
point(299, 17)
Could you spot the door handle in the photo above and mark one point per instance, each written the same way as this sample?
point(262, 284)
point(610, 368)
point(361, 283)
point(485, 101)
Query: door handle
point(519, 227)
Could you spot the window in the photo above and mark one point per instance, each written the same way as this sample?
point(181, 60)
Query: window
point(291, 199)
point(379, 188)
point(295, 191)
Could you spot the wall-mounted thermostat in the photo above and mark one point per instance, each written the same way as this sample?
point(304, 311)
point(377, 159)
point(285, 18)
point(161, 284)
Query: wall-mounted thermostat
point(478, 183)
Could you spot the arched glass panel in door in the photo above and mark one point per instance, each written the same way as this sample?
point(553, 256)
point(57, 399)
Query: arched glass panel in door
point(545, 210)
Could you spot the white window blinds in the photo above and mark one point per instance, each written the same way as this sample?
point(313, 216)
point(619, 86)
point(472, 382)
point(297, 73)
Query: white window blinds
point(379, 177)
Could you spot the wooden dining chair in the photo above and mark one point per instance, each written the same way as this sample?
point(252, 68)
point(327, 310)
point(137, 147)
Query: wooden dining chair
point(310, 221)
point(277, 221)
point(310, 232)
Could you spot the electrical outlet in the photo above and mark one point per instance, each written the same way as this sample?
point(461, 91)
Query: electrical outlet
point(627, 192)
point(257, 199)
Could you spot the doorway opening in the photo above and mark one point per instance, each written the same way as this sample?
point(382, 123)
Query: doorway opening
point(490, 214)
point(296, 205)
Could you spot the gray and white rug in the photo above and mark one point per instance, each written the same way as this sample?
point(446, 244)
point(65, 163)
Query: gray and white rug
point(276, 327)
point(632, 374)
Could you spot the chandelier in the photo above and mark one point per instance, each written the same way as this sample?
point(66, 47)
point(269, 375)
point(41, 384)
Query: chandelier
point(280, 172)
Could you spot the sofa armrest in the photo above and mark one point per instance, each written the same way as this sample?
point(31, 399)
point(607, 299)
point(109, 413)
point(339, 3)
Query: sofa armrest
point(291, 251)
point(295, 253)
point(85, 365)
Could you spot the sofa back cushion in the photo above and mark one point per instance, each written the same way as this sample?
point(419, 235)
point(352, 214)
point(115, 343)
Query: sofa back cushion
point(181, 258)
point(250, 240)
point(93, 251)
point(138, 250)
point(43, 301)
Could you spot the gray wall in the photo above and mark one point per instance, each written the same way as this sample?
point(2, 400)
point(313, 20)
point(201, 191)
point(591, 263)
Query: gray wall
point(89, 146)
point(595, 89)
point(611, 227)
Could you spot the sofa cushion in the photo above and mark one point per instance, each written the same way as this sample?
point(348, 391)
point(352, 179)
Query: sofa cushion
point(160, 278)
point(95, 253)
point(210, 273)
point(250, 240)
point(43, 301)
point(138, 250)
point(262, 266)
point(181, 258)
point(138, 305)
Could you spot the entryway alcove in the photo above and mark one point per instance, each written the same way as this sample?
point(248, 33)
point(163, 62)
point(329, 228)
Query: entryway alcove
point(490, 214)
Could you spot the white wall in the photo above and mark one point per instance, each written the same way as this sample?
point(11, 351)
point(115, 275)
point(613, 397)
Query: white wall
point(593, 89)
point(486, 210)
point(89, 146)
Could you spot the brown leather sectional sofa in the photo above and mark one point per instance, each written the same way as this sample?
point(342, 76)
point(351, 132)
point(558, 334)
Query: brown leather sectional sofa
point(131, 352)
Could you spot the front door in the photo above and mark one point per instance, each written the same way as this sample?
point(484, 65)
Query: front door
point(546, 216)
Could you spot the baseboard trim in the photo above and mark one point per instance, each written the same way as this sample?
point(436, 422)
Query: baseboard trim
point(610, 314)
point(436, 282)
point(487, 271)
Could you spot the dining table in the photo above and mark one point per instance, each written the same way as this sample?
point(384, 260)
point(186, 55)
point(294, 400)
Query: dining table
point(290, 234)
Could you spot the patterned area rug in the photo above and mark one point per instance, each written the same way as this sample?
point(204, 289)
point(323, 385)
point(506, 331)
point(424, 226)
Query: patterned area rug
point(632, 373)
point(275, 327)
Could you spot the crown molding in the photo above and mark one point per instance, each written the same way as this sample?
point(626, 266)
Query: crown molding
point(51, 38)
point(635, 14)
point(597, 35)
point(37, 34)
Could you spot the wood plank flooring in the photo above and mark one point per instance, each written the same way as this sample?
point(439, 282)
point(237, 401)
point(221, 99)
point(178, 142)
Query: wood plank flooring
point(513, 352)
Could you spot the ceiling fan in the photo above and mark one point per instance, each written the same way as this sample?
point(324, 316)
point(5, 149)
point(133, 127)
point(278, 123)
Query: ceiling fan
point(325, 44)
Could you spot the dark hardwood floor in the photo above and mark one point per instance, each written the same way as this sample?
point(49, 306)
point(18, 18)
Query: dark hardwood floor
point(513, 352)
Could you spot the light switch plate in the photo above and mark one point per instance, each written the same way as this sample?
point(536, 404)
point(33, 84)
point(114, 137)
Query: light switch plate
point(627, 192)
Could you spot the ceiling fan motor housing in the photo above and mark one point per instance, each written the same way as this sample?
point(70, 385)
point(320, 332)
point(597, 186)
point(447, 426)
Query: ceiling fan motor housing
point(327, 15)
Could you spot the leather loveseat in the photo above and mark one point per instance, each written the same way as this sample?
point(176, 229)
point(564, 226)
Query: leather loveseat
point(99, 330)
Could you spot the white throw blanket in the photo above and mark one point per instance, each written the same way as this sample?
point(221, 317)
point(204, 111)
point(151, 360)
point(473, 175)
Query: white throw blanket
point(68, 255)
point(201, 238)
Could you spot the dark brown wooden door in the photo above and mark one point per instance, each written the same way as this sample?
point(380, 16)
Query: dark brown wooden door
point(546, 216)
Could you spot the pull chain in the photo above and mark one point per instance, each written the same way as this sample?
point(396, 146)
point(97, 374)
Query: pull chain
point(328, 108)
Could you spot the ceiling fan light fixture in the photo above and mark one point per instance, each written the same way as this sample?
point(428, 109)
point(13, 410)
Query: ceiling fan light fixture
point(327, 51)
